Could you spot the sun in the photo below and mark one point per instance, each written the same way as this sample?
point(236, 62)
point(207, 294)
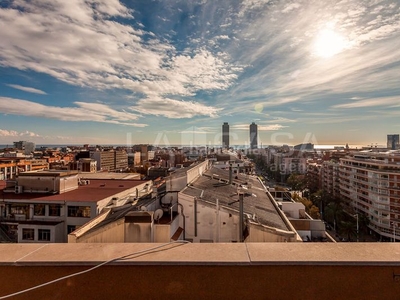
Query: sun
point(328, 43)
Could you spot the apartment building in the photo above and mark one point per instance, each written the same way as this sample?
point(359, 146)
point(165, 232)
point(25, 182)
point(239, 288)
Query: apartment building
point(370, 183)
point(290, 164)
point(313, 176)
point(10, 167)
point(112, 160)
point(43, 207)
point(330, 178)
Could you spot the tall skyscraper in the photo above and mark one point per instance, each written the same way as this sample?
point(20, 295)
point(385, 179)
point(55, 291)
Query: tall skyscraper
point(393, 141)
point(225, 135)
point(253, 136)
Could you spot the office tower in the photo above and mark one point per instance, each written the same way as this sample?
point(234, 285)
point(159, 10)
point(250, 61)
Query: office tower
point(225, 135)
point(393, 141)
point(253, 136)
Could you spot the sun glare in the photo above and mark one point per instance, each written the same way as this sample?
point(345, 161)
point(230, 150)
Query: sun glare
point(328, 43)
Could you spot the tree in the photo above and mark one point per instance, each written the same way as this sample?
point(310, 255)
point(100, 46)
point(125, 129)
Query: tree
point(297, 182)
point(310, 208)
point(333, 213)
point(348, 229)
point(363, 222)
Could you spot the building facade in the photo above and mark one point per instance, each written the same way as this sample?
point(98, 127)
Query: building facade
point(330, 178)
point(370, 184)
point(393, 141)
point(110, 161)
point(225, 135)
point(253, 136)
point(43, 207)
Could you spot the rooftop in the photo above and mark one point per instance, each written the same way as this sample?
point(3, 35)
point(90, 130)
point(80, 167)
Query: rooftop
point(104, 175)
point(97, 190)
point(213, 185)
point(48, 173)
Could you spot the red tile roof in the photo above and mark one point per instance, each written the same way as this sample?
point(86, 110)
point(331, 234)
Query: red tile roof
point(98, 189)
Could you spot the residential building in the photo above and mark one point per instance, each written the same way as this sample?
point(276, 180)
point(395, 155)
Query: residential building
point(225, 135)
point(10, 167)
point(87, 165)
point(313, 176)
point(253, 136)
point(330, 178)
point(27, 147)
point(112, 160)
point(45, 206)
point(199, 204)
point(370, 184)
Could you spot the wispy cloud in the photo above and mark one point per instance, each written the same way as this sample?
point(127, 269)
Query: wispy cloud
point(89, 112)
point(81, 43)
point(27, 89)
point(14, 133)
point(284, 68)
point(175, 109)
point(382, 101)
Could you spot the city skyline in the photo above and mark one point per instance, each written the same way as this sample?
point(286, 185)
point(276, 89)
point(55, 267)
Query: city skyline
point(117, 72)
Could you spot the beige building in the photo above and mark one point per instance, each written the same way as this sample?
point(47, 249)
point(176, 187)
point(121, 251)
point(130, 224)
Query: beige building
point(112, 160)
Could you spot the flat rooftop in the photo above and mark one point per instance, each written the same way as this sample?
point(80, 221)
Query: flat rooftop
point(48, 173)
point(212, 185)
point(105, 175)
point(97, 190)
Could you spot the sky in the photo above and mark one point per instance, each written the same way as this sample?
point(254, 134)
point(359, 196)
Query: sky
point(173, 71)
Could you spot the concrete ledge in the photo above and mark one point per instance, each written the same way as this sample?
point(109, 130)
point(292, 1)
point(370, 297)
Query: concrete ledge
point(201, 254)
point(203, 271)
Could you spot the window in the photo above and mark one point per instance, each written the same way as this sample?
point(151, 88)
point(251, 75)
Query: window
point(28, 234)
point(19, 209)
point(79, 211)
point(54, 210)
point(39, 210)
point(44, 235)
point(71, 228)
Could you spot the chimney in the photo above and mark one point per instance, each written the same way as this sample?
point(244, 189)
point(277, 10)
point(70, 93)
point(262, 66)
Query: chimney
point(230, 173)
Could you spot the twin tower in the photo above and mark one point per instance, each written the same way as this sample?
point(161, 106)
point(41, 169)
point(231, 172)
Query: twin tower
point(253, 135)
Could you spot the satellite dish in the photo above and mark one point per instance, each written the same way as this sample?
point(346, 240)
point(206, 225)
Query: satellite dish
point(158, 214)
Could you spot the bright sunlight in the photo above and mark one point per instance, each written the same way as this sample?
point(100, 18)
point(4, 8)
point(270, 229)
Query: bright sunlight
point(328, 43)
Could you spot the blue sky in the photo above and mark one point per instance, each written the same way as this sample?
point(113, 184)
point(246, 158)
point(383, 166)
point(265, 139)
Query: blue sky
point(171, 72)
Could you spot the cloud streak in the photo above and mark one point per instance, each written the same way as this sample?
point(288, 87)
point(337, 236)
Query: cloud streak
point(27, 89)
point(87, 112)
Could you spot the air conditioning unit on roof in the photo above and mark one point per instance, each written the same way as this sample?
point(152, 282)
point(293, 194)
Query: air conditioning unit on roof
point(19, 189)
